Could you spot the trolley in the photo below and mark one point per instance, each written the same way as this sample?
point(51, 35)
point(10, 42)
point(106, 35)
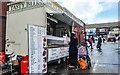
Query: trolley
point(84, 61)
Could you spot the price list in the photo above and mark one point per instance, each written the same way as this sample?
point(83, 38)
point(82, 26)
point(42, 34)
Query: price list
point(36, 49)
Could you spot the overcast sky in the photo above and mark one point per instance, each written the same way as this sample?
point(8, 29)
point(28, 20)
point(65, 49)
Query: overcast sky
point(92, 11)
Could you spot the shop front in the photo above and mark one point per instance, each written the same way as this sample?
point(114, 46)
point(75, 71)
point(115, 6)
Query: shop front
point(102, 33)
point(117, 33)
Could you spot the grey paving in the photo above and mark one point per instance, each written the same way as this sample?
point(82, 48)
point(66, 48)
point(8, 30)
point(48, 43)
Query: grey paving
point(105, 61)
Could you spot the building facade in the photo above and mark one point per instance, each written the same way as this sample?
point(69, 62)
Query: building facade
point(103, 29)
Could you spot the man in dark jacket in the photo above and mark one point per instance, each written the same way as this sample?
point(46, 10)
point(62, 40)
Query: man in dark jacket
point(99, 42)
point(73, 51)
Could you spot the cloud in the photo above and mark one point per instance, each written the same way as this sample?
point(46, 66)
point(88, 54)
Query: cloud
point(87, 10)
point(104, 20)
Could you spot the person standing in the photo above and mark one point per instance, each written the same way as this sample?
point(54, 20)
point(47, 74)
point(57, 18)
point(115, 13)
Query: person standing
point(66, 33)
point(103, 40)
point(73, 51)
point(90, 42)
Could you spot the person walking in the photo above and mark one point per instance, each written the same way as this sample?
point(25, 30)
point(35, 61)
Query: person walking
point(90, 42)
point(99, 42)
point(73, 51)
point(103, 40)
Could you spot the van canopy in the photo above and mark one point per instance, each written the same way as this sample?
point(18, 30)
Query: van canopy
point(64, 18)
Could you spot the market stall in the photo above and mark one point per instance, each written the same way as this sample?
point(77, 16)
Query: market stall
point(40, 30)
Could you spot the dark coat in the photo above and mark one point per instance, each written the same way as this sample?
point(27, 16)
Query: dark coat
point(73, 51)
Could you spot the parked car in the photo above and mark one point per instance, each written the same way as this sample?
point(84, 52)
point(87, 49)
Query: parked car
point(111, 37)
point(118, 38)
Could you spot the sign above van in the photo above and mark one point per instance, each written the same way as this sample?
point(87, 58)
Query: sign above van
point(33, 3)
point(22, 5)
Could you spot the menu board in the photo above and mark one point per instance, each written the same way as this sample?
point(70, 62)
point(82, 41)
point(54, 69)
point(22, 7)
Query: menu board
point(37, 49)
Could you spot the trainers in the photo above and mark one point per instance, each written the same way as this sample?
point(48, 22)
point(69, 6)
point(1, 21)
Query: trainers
point(71, 66)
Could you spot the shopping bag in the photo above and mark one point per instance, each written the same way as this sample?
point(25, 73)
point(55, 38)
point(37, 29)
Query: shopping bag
point(82, 63)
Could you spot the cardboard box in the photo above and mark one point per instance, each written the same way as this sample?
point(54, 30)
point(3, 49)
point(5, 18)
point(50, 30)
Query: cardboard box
point(15, 62)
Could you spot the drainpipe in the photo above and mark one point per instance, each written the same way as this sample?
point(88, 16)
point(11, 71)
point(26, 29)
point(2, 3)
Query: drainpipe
point(85, 32)
point(84, 25)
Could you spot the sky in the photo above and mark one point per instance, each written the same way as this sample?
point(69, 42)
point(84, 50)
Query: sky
point(92, 11)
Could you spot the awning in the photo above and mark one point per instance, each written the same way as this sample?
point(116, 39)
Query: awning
point(115, 32)
point(64, 18)
point(90, 34)
point(102, 33)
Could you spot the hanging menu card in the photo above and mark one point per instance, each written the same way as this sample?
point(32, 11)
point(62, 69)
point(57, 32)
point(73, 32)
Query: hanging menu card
point(37, 49)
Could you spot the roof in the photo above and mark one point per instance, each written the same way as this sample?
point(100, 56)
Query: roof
point(101, 25)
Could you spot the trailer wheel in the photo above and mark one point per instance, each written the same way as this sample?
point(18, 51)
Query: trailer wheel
point(67, 57)
point(89, 64)
point(59, 61)
point(64, 59)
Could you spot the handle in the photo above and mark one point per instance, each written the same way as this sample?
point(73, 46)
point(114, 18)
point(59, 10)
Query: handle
point(23, 57)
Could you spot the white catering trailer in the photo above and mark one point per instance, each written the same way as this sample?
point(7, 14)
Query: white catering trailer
point(36, 26)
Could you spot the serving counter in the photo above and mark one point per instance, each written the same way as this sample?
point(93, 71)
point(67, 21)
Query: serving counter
point(58, 47)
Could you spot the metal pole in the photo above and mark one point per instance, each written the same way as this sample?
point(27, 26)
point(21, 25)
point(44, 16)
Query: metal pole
point(73, 27)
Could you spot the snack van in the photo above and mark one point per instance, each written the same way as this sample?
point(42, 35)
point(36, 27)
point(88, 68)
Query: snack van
point(41, 30)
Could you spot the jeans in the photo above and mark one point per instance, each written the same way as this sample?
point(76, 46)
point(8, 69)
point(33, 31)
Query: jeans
point(99, 45)
point(91, 46)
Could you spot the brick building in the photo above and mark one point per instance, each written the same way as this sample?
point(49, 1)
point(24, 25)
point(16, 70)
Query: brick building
point(80, 34)
point(3, 9)
point(103, 28)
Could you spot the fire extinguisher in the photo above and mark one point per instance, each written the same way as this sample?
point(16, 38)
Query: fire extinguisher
point(2, 58)
point(24, 65)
